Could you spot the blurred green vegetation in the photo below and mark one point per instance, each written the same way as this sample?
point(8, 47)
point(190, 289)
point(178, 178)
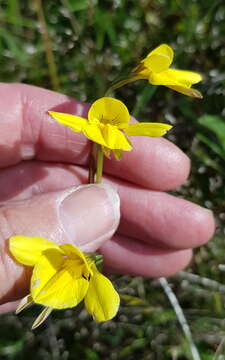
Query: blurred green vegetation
point(94, 42)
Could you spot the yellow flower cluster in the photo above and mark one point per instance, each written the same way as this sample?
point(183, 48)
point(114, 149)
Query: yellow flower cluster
point(62, 277)
point(108, 120)
point(108, 124)
point(155, 67)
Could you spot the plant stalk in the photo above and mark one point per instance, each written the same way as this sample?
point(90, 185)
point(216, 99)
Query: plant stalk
point(100, 158)
point(48, 47)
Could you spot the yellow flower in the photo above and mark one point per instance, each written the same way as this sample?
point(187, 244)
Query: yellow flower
point(62, 277)
point(107, 124)
point(155, 68)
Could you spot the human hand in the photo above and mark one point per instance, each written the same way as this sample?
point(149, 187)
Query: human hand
point(157, 231)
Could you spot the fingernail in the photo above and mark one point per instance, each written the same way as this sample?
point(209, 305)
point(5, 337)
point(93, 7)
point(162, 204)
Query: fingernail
point(90, 215)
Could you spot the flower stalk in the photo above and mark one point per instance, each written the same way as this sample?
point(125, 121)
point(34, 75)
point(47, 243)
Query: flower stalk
point(100, 160)
point(121, 83)
point(92, 163)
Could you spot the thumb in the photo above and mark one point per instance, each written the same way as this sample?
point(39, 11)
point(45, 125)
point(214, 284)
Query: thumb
point(87, 216)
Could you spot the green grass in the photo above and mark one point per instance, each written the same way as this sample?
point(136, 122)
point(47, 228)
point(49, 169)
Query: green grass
point(95, 42)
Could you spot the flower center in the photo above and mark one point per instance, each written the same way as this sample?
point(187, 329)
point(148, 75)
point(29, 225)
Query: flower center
point(101, 121)
point(95, 121)
point(77, 268)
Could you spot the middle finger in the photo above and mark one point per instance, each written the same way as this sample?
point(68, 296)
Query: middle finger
point(156, 218)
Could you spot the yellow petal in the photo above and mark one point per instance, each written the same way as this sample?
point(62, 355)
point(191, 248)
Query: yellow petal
point(47, 266)
point(101, 301)
point(57, 282)
point(74, 122)
point(184, 76)
point(28, 249)
point(73, 253)
point(109, 111)
point(147, 129)
point(115, 139)
point(174, 77)
point(159, 59)
point(93, 132)
point(63, 291)
point(187, 91)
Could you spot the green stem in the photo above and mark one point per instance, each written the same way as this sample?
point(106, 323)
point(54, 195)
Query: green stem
point(48, 47)
point(100, 158)
point(92, 163)
point(121, 83)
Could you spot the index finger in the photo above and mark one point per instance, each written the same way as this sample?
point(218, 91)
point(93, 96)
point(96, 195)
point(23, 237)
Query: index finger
point(28, 132)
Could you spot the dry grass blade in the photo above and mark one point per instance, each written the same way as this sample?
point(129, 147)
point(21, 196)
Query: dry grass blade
point(219, 350)
point(181, 318)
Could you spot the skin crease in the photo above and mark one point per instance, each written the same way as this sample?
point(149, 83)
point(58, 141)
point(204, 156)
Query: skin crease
point(39, 158)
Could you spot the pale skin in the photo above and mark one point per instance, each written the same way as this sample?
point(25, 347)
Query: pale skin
point(41, 160)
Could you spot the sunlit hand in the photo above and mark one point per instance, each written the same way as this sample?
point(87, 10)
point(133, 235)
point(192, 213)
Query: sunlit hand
point(41, 161)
